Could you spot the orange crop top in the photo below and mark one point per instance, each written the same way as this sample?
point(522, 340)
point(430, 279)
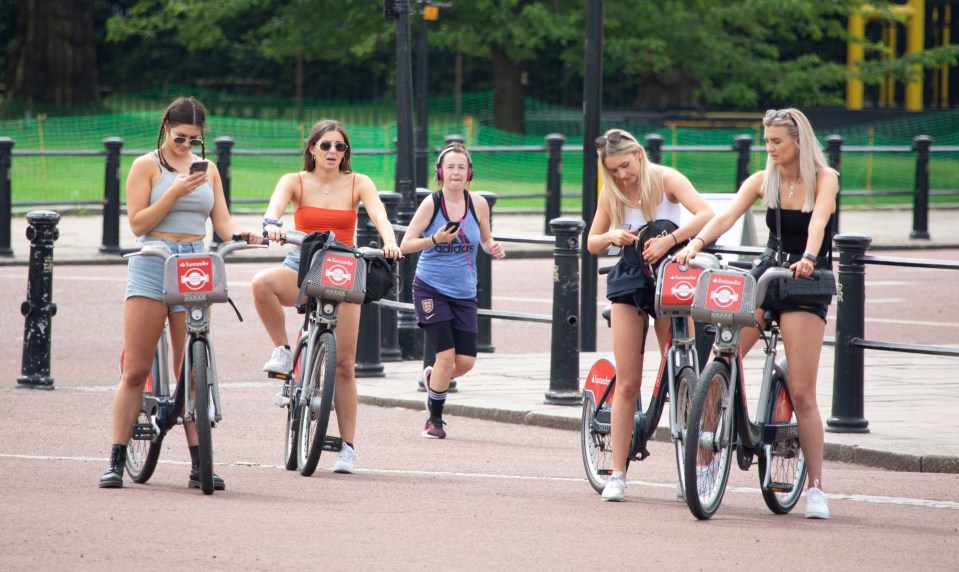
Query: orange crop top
point(315, 219)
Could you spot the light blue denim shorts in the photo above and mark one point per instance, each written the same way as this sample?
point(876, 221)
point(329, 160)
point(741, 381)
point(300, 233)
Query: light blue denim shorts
point(145, 273)
point(292, 260)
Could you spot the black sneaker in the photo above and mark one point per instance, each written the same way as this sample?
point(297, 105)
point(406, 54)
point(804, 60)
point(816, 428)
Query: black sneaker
point(218, 484)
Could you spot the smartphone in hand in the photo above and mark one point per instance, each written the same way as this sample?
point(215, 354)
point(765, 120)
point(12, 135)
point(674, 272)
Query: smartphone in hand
point(613, 249)
point(198, 167)
point(452, 226)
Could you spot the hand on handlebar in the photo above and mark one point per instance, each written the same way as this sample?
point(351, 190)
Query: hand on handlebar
point(687, 253)
point(250, 237)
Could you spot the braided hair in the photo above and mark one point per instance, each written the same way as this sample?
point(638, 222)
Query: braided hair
point(183, 111)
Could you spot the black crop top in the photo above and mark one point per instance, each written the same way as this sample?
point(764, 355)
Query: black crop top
point(795, 231)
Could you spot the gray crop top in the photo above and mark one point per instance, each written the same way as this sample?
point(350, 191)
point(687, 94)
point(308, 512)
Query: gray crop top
point(188, 214)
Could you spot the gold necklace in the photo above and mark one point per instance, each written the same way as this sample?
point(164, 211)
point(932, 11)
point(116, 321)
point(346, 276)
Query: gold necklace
point(792, 188)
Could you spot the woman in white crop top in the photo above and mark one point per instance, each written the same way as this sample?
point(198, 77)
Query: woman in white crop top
point(164, 203)
point(634, 192)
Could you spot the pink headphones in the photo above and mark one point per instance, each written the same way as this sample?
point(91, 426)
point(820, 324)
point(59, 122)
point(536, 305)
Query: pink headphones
point(450, 148)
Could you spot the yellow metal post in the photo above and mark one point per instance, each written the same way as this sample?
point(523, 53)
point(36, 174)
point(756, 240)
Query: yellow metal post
point(915, 41)
point(854, 55)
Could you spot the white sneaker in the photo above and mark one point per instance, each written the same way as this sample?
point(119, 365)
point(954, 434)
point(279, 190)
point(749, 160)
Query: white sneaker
point(615, 487)
point(706, 477)
point(281, 362)
point(344, 460)
point(817, 506)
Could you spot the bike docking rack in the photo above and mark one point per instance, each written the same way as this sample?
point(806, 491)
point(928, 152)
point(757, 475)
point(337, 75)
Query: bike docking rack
point(564, 360)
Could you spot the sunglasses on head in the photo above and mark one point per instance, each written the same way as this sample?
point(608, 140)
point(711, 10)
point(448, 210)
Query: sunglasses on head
point(777, 114)
point(339, 146)
point(613, 137)
point(181, 139)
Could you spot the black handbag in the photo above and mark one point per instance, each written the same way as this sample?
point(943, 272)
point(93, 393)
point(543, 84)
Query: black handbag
point(815, 290)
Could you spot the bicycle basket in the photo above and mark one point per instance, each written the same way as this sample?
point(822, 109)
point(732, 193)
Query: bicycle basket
point(339, 277)
point(676, 289)
point(725, 297)
point(196, 278)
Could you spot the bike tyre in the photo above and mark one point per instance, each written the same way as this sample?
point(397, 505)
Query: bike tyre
point(204, 425)
point(682, 402)
point(790, 466)
point(142, 455)
point(596, 446)
point(316, 402)
point(292, 436)
point(703, 498)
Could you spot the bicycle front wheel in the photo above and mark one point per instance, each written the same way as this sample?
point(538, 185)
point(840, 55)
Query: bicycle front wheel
point(204, 425)
point(596, 442)
point(292, 437)
point(316, 401)
point(709, 441)
point(682, 401)
point(143, 451)
point(785, 463)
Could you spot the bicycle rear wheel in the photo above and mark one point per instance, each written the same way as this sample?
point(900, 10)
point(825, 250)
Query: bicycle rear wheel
point(316, 401)
point(204, 425)
point(143, 448)
point(786, 463)
point(709, 442)
point(682, 401)
point(292, 438)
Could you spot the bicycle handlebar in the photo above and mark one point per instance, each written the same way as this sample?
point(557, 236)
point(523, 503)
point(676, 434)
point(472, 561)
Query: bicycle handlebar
point(761, 285)
point(161, 250)
point(295, 237)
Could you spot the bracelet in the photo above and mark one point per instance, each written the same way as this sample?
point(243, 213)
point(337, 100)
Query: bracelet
point(271, 220)
point(810, 257)
point(700, 240)
point(433, 238)
point(673, 236)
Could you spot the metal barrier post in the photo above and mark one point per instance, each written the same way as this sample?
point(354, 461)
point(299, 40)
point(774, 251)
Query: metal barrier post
point(367, 363)
point(848, 378)
point(484, 286)
point(654, 147)
point(742, 146)
point(834, 153)
point(224, 147)
point(389, 341)
point(6, 195)
point(554, 180)
point(564, 347)
point(111, 197)
point(920, 208)
point(39, 307)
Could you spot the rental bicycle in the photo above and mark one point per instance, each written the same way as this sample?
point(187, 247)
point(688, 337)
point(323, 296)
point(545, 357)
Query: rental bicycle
point(196, 281)
point(719, 423)
point(677, 377)
point(337, 274)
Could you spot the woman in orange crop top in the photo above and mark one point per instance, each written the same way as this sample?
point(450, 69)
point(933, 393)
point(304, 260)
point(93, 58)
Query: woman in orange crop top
point(325, 196)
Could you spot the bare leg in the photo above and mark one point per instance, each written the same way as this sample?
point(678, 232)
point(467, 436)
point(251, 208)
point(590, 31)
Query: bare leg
point(347, 329)
point(448, 365)
point(272, 290)
point(627, 330)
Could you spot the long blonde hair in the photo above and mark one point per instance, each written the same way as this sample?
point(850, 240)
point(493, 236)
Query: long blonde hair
point(811, 158)
point(612, 193)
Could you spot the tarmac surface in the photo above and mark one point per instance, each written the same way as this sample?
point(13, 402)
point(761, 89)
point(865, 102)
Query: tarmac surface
point(910, 400)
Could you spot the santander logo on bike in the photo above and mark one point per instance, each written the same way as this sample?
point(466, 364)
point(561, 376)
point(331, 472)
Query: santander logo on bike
point(194, 275)
point(725, 293)
point(338, 271)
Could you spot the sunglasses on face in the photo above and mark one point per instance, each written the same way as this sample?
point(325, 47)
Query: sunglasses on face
point(181, 139)
point(613, 137)
point(339, 146)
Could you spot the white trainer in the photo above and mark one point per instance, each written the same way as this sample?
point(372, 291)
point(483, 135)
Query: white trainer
point(817, 506)
point(615, 487)
point(281, 362)
point(344, 460)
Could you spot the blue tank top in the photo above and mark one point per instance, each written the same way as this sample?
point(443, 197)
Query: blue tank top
point(450, 268)
point(188, 214)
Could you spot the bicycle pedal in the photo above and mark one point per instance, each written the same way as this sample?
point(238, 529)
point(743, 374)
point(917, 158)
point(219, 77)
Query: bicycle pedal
point(332, 444)
point(281, 376)
point(281, 400)
point(143, 432)
point(780, 487)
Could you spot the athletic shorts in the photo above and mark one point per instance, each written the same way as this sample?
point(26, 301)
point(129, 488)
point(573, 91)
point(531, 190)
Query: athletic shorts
point(145, 273)
point(432, 307)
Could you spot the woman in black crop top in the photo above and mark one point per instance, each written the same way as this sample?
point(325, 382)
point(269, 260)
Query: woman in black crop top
point(798, 180)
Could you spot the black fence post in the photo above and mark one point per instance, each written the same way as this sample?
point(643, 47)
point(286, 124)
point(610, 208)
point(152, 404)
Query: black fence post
point(367, 363)
point(654, 147)
point(554, 178)
point(224, 157)
point(389, 340)
point(834, 154)
point(453, 138)
point(6, 195)
point(39, 308)
point(848, 377)
point(564, 347)
point(484, 286)
point(111, 197)
point(742, 146)
point(920, 208)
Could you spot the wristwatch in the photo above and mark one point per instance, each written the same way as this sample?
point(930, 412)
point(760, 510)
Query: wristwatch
point(271, 220)
point(810, 257)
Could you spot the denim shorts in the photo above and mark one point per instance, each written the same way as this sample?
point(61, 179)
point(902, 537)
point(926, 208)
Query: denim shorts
point(292, 260)
point(145, 273)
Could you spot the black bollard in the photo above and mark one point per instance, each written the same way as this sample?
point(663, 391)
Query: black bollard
point(654, 147)
point(39, 307)
point(742, 146)
point(834, 153)
point(920, 208)
point(367, 363)
point(564, 347)
point(389, 341)
point(848, 380)
point(111, 197)
point(6, 195)
point(484, 286)
point(554, 178)
point(224, 158)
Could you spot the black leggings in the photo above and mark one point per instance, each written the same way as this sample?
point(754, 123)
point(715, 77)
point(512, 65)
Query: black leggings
point(444, 337)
